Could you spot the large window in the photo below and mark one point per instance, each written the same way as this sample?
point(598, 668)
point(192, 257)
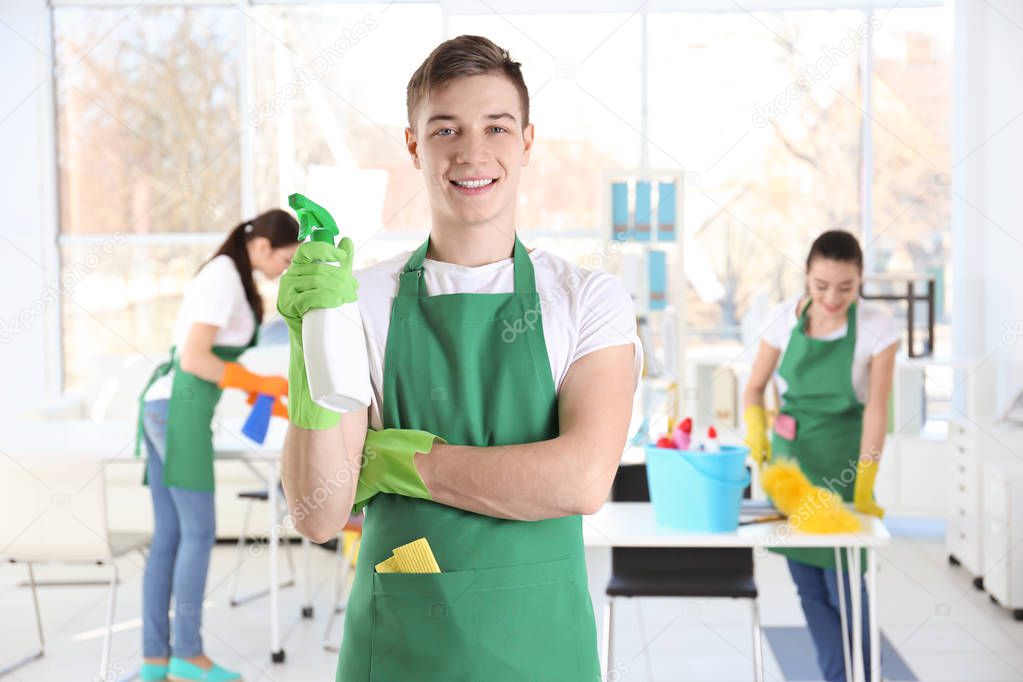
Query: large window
point(148, 118)
point(329, 112)
point(176, 122)
point(585, 103)
point(148, 122)
point(912, 85)
point(765, 113)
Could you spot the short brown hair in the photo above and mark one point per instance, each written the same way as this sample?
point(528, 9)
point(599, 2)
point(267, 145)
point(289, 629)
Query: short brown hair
point(461, 57)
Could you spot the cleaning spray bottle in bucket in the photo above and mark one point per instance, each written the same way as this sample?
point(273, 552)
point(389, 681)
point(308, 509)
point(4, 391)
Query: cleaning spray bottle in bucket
point(712, 441)
point(333, 341)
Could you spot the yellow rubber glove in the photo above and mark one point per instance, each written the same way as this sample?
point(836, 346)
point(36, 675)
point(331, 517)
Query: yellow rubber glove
point(756, 433)
point(863, 491)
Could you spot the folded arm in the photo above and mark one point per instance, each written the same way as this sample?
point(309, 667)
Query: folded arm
point(566, 475)
point(319, 472)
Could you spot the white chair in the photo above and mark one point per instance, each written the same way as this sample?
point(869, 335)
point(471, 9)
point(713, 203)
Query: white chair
point(53, 509)
point(251, 496)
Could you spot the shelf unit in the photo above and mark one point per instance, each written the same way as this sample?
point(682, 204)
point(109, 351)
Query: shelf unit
point(634, 230)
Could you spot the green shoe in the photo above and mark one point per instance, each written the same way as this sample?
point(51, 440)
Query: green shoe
point(183, 671)
point(153, 672)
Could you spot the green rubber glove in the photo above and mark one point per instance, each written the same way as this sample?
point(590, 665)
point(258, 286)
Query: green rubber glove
point(312, 282)
point(389, 465)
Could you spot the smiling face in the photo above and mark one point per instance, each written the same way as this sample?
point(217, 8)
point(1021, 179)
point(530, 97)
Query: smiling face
point(469, 141)
point(833, 285)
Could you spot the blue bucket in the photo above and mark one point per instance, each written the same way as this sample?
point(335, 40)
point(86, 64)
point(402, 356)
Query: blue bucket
point(697, 491)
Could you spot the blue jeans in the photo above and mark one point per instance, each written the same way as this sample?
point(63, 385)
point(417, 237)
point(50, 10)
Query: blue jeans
point(818, 593)
point(183, 535)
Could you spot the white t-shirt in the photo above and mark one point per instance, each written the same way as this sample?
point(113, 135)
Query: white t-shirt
point(581, 310)
point(876, 330)
point(214, 296)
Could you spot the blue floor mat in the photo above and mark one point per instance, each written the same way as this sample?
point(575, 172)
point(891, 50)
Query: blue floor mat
point(794, 650)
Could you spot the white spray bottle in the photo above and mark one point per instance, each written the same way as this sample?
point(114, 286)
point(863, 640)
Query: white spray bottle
point(336, 361)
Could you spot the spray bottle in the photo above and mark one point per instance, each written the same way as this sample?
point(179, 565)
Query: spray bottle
point(336, 362)
point(712, 440)
point(683, 434)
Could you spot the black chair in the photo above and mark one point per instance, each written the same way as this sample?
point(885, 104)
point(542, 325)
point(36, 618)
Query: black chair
point(675, 572)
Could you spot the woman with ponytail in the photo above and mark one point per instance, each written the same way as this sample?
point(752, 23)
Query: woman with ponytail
point(218, 320)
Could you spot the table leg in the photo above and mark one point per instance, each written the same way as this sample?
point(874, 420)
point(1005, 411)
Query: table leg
point(276, 651)
point(856, 604)
point(875, 623)
point(307, 581)
point(843, 612)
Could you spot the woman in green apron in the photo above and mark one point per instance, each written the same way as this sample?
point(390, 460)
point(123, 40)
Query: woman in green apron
point(218, 320)
point(521, 450)
point(837, 360)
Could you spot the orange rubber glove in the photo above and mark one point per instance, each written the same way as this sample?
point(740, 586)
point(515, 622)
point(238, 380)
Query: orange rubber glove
point(236, 376)
point(279, 408)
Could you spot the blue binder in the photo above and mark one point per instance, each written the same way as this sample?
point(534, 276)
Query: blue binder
point(666, 218)
point(620, 211)
point(643, 211)
point(657, 272)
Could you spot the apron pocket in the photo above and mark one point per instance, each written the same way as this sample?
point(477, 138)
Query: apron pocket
point(508, 623)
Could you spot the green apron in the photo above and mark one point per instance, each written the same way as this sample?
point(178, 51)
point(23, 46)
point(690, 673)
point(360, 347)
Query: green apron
point(512, 601)
point(819, 394)
point(188, 459)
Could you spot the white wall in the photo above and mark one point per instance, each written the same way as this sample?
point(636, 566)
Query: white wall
point(987, 218)
point(28, 207)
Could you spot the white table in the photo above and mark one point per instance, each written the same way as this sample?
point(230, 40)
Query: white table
point(632, 524)
point(115, 440)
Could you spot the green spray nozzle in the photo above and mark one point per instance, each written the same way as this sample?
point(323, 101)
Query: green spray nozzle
point(314, 222)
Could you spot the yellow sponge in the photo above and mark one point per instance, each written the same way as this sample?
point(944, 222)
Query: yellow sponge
point(415, 557)
point(388, 565)
point(810, 508)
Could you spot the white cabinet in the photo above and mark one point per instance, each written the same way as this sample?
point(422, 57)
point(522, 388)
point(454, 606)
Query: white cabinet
point(985, 518)
point(964, 537)
point(914, 476)
point(1003, 532)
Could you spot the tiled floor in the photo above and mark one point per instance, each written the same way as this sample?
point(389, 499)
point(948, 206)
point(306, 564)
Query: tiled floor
point(942, 627)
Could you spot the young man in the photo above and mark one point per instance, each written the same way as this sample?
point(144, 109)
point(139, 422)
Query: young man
point(503, 383)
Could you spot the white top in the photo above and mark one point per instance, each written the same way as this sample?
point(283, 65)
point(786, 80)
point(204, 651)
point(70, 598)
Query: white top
point(634, 524)
point(876, 330)
point(214, 296)
point(581, 310)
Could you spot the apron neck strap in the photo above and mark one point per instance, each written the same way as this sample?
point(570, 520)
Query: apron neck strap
point(412, 283)
point(850, 314)
point(525, 282)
